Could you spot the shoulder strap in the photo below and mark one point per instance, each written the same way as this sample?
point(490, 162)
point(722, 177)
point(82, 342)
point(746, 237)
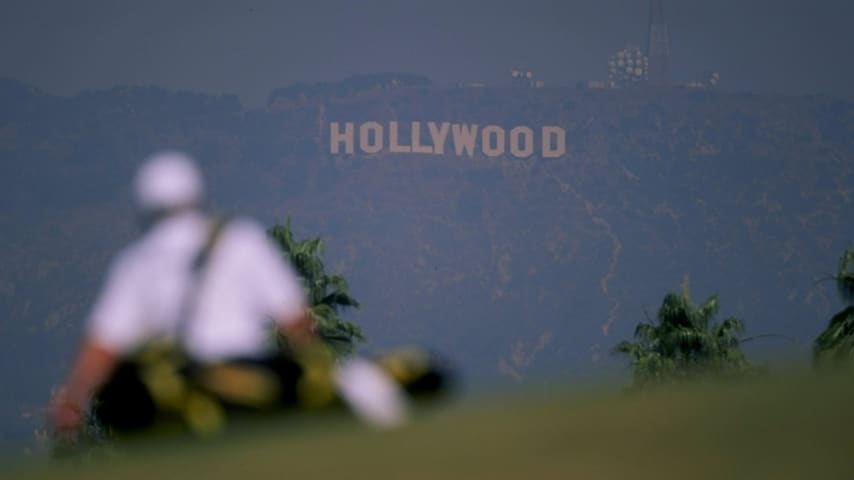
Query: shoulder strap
point(214, 234)
point(198, 268)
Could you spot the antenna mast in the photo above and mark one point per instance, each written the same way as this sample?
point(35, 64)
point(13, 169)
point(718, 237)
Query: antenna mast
point(658, 48)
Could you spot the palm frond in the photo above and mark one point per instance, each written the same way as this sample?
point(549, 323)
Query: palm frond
point(683, 343)
point(838, 334)
point(645, 332)
point(731, 327)
point(707, 311)
point(845, 276)
point(327, 294)
point(340, 300)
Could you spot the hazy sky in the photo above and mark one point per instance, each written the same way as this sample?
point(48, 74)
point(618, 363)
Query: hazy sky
point(252, 47)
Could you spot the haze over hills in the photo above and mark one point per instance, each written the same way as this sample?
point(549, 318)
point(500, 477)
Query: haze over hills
point(513, 265)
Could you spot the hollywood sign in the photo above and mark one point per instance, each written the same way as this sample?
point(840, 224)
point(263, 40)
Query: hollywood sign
point(435, 138)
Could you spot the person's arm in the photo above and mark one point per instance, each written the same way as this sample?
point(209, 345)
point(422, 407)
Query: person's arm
point(298, 329)
point(114, 326)
point(278, 288)
point(90, 369)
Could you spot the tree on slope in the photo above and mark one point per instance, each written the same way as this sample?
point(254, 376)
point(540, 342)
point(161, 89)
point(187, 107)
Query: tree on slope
point(835, 345)
point(327, 294)
point(684, 343)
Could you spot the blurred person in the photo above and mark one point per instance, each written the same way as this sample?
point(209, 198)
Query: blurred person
point(209, 290)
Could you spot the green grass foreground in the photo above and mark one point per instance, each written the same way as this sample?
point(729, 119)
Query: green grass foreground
point(792, 428)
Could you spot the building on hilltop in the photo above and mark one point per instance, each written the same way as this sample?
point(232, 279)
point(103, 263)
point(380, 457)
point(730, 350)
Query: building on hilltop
point(705, 80)
point(301, 93)
point(521, 77)
point(627, 67)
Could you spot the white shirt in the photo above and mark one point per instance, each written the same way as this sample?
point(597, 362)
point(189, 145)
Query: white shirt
point(244, 285)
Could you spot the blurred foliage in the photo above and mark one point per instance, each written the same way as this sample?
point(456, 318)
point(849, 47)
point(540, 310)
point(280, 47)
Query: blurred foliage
point(327, 294)
point(835, 345)
point(683, 343)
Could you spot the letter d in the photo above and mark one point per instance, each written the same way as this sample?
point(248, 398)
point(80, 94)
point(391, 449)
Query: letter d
point(559, 136)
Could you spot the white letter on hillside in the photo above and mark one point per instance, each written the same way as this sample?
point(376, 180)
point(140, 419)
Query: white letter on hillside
point(439, 135)
point(486, 144)
point(416, 140)
point(516, 142)
point(464, 138)
point(559, 135)
point(364, 137)
point(393, 146)
point(336, 137)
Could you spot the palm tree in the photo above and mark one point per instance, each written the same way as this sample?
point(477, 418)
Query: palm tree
point(835, 345)
point(684, 343)
point(327, 294)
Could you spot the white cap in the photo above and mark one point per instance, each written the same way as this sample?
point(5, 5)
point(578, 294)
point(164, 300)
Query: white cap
point(167, 180)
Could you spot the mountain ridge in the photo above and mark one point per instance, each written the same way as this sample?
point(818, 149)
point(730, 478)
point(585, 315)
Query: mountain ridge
point(512, 266)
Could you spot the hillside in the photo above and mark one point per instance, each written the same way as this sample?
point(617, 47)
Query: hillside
point(790, 428)
point(512, 266)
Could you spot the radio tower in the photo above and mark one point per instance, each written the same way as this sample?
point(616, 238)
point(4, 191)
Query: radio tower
point(658, 48)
